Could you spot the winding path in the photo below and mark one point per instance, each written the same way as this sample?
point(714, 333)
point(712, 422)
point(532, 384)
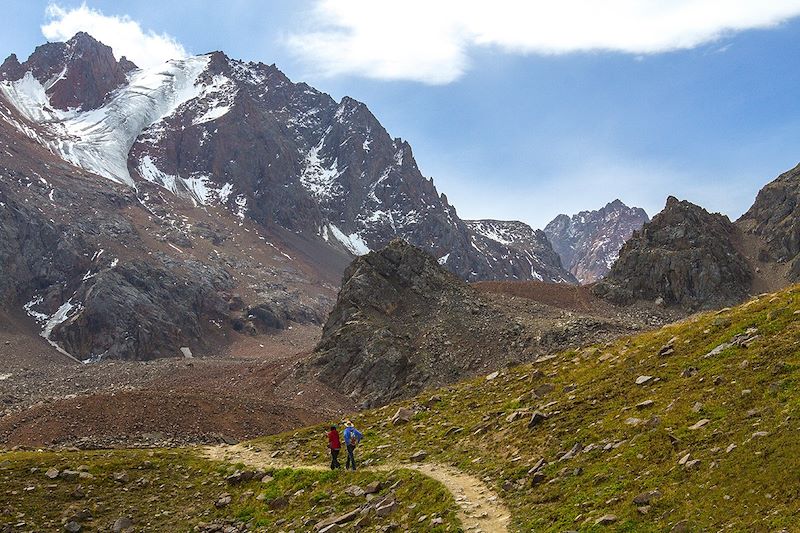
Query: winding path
point(480, 509)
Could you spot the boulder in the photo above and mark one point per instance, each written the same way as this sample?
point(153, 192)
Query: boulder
point(605, 520)
point(385, 508)
point(373, 488)
point(223, 501)
point(646, 497)
point(337, 520)
point(354, 490)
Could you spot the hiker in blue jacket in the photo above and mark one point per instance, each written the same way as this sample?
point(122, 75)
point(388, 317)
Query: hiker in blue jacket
point(352, 438)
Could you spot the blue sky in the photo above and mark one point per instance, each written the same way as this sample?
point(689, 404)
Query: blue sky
point(527, 128)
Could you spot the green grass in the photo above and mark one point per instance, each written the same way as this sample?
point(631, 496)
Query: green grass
point(754, 487)
point(175, 490)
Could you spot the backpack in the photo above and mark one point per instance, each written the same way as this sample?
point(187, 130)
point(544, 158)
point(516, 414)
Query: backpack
point(353, 440)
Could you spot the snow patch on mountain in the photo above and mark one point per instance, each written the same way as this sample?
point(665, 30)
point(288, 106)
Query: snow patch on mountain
point(318, 177)
point(354, 243)
point(99, 140)
point(499, 231)
point(200, 188)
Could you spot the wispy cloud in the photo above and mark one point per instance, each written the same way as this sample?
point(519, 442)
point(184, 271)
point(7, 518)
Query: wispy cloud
point(430, 42)
point(123, 34)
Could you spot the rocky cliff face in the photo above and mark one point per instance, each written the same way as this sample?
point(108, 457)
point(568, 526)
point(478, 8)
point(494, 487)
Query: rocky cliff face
point(242, 136)
point(588, 243)
point(775, 219)
point(403, 323)
point(685, 256)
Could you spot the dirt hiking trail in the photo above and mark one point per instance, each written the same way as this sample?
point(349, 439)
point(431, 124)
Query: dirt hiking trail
point(479, 508)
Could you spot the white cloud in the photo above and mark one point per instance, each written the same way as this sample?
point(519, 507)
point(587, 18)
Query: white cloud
point(430, 41)
point(124, 35)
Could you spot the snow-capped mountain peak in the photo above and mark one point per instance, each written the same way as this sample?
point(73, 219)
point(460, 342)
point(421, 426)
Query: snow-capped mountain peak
point(243, 136)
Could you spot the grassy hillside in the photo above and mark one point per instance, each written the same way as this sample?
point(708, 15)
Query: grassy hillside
point(693, 427)
point(706, 440)
point(178, 490)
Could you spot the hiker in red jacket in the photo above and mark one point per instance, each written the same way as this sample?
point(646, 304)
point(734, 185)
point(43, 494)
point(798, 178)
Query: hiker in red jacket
point(335, 445)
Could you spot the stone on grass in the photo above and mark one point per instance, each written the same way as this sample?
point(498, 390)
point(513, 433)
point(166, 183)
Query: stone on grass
point(536, 418)
point(72, 527)
point(354, 490)
point(223, 501)
point(69, 475)
point(645, 404)
point(122, 524)
point(373, 487)
point(644, 380)
point(700, 423)
point(52, 473)
point(402, 416)
point(605, 520)
point(385, 508)
point(646, 497)
point(544, 389)
point(336, 520)
point(419, 456)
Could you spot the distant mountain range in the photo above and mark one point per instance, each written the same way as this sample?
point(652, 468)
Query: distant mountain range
point(589, 242)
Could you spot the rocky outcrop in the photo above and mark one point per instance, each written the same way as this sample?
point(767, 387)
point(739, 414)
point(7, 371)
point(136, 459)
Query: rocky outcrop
point(403, 323)
point(588, 243)
point(368, 343)
point(685, 256)
point(775, 219)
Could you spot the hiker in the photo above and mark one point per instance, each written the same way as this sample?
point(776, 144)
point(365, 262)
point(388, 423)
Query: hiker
point(335, 445)
point(352, 438)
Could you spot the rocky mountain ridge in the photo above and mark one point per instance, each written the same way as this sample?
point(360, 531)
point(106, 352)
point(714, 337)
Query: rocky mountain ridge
point(244, 137)
point(685, 256)
point(588, 243)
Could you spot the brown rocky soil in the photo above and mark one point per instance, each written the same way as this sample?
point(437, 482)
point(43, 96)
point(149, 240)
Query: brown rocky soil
point(250, 389)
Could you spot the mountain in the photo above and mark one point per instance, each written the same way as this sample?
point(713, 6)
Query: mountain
point(775, 218)
point(202, 202)
point(403, 323)
point(685, 256)
point(588, 243)
point(529, 249)
point(106, 271)
point(242, 136)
